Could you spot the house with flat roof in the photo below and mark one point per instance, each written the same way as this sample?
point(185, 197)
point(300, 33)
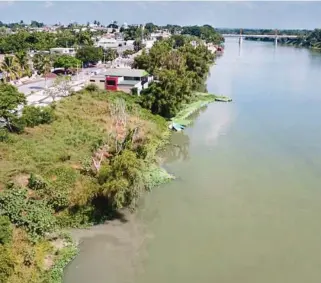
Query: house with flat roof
point(63, 51)
point(122, 79)
point(106, 43)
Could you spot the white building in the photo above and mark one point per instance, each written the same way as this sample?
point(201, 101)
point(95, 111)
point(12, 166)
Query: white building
point(63, 51)
point(107, 43)
point(122, 79)
point(163, 34)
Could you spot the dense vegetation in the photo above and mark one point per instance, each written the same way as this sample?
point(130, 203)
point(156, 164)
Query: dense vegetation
point(180, 69)
point(23, 40)
point(95, 154)
point(206, 32)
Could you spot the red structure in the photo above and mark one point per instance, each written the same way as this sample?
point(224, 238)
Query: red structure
point(111, 83)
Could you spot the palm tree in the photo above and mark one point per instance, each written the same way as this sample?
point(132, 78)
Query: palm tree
point(11, 68)
point(43, 64)
point(23, 60)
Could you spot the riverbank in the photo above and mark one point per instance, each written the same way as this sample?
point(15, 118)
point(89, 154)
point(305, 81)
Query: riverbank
point(123, 238)
point(72, 173)
point(98, 156)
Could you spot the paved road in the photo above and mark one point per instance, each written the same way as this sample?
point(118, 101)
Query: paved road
point(40, 84)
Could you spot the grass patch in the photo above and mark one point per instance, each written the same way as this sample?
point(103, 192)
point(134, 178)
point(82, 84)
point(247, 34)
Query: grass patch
point(201, 100)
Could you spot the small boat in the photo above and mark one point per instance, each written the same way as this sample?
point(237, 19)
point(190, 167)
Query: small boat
point(177, 127)
point(223, 99)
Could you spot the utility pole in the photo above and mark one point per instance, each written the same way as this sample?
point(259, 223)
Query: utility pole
point(143, 26)
point(77, 73)
point(82, 70)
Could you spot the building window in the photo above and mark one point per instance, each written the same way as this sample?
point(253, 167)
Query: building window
point(111, 82)
point(92, 81)
point(102, 81)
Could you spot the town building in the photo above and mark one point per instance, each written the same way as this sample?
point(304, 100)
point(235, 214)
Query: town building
point(122, 79)
point(160, 34)
point(106, 43)
point(63, 51)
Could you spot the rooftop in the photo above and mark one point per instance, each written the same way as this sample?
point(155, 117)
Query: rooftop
point(125, 72)
point(128, 82)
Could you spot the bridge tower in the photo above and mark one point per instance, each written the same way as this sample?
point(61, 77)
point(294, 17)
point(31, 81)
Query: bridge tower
point(276, 37)
point(241, 37)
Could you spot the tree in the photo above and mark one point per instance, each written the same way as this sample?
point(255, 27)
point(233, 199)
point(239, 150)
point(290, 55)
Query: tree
point(206, 32)
point(151, 27)
point(67, 62)
point(11, 68)
point(10, 100)
point(110, 54)
point(128, 52)
point(60, 88)
point(43, 64)
point(23, 61)
point(178, 40)
point(90, 54)
point(62, 85)
point(155, 58)
point(36, 24)
point(84, 38)
point(180, 69)
point(167, 96)
point(138, 45)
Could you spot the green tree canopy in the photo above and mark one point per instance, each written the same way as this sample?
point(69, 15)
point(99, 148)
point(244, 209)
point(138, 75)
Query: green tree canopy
point(90, 54)
point(66, 61)
point(180, 69)
point(110, 54)
point(10, 99)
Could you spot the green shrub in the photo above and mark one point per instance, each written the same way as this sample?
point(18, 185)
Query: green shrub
point(33, 115)
point(53, 192)
point(5, 230)
point(134, 91)
point(36, 183)
point(6, 263)
point(33, 215)
point(92, 88)
point(4, 135)
point(121, 180)
point(17, 125)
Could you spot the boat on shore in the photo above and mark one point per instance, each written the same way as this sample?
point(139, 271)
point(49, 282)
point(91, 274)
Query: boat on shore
point(223, 99)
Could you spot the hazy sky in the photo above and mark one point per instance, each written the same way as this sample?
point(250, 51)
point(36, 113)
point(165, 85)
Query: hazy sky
point(255, 14)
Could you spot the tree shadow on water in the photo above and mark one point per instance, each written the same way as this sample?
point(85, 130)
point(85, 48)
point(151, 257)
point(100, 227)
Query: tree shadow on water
point(178, 149)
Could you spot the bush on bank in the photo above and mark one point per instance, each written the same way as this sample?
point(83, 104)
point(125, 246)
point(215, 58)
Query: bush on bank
point(50, 179)
point(180, 69)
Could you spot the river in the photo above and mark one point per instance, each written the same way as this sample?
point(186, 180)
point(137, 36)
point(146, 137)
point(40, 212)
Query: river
point(246, 206)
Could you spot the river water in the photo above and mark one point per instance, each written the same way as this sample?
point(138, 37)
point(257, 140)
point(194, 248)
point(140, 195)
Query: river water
point(246, 206)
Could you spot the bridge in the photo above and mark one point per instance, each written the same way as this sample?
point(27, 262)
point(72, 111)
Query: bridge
point(276, 36)
point(260, 35)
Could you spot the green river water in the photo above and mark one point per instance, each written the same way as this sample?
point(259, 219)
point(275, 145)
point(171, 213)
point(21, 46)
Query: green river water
point(246, 206)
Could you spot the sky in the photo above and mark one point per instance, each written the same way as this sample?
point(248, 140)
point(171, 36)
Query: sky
point(238, 14)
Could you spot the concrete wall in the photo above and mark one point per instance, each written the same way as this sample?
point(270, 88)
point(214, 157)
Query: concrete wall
point(97, 82)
